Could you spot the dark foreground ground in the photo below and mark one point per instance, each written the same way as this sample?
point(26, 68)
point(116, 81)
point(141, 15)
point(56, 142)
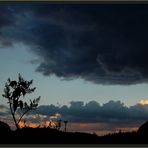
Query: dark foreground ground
point(49, 136)
point(52, 136)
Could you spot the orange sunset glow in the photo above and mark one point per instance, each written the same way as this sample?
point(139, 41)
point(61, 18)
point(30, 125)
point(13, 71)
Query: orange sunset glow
point(35, 125)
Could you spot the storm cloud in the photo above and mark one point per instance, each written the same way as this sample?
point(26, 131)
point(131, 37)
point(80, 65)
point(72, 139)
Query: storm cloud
point(101, 43)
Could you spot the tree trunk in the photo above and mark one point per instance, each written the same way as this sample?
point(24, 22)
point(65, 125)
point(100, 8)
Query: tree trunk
point(17, 126)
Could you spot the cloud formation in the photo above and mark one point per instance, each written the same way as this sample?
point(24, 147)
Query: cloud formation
point(4, 110)
point(104, 44)
point(93, 112)
point(88, 117)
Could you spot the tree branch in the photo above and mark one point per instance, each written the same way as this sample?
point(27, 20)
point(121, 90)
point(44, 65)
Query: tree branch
point(23, 115)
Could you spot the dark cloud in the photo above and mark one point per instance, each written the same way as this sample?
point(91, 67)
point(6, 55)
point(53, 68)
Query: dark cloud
point(6, 16)
point(93, 112)
point(101, 43)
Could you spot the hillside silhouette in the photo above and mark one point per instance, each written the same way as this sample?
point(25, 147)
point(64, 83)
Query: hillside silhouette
point(28, 135)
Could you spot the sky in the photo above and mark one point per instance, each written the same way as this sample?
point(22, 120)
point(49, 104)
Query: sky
point(79, 56)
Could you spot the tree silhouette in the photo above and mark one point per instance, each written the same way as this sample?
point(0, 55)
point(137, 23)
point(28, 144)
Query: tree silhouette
point(14, 92)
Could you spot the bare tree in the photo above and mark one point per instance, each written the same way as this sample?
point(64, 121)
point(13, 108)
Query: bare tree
point(14, 92)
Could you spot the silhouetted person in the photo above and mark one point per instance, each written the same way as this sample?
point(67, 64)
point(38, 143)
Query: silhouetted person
point(120, 131)
point(65, 122)
point(49, 126)
point(25, 123)
point(59, 124)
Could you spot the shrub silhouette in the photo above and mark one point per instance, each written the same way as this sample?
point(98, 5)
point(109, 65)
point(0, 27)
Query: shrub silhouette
point(13, 92)
point(143, 129)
